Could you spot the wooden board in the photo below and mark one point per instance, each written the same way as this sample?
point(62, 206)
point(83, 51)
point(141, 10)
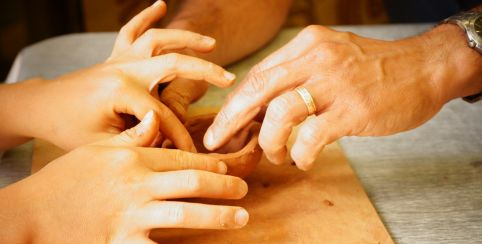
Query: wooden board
point(324, 205)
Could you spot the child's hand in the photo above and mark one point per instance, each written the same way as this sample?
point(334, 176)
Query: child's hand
point(91, 104)
point(114, 191)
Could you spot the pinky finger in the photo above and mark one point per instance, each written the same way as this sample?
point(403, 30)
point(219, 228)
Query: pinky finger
point(314, 134)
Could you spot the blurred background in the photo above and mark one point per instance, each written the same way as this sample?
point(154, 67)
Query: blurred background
point(23, 22)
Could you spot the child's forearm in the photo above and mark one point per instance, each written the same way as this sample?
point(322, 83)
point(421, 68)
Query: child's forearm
point(18, 112)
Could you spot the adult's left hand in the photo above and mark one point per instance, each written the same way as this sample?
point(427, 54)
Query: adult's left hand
point(360, 86)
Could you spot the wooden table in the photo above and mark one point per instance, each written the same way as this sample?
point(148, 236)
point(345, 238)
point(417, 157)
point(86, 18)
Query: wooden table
point(425, 184)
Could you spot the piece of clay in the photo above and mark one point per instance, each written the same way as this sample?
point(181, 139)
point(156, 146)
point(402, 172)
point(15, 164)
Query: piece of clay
point(241, 154)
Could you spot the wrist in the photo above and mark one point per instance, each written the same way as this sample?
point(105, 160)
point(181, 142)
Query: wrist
point(30, 110)
point(457, 67)
point(19, 107)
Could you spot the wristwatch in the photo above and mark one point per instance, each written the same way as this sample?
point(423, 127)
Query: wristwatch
point(471, 23)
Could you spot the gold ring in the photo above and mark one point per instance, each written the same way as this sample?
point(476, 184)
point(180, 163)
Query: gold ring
point(307, 99)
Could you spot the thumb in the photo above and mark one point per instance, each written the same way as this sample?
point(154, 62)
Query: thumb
point(142, 135)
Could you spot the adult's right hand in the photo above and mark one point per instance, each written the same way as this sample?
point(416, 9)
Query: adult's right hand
point(360, 86)
point(113, 191)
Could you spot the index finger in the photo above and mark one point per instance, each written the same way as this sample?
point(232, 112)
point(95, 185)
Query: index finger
point(152, 71)
point(248, 99)
point(160, 159)
point(296, 47)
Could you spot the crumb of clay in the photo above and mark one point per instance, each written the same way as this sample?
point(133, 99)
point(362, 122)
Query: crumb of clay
point(265, 184)
point(328, 203)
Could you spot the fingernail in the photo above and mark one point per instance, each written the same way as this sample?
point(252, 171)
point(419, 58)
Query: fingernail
point(274, 159)
point(305, 167)
point(241, 217)
point(305, 164)
point(229, 76)
point(222, 168)
point(209, 142)
point(209, 40)
point(146, 121)
point(157, 3)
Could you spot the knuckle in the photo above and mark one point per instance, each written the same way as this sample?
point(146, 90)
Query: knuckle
point(312, 31)
point(328, 48)
point(216, 69)
point(255, 84)
point(187, 164)
point(279, 110)
point(256, 69)
point(329, 51)
point(176, 214)
point(171, 59)
point(118, 83)
point(124, 29)
point(126, 155)
point(193, 181)
point(310, 135)
point(178, 156)
point(149, 36)
point(348, 36)
point(223, 117)
point(260, 68)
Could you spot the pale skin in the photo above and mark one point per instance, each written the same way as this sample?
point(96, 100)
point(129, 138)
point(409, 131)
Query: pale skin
point(361, 87)
point(236, 27)
point(56, 110)
point(116, 191)
point(112, 187)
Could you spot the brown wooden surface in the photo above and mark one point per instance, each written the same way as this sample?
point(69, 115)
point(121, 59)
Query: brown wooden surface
point(324, 205)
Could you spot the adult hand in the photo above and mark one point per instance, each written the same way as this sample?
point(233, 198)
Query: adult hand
point(89, 105)
point(360, 86)
point(229, 22)
point(113, 191)
point(180, 94)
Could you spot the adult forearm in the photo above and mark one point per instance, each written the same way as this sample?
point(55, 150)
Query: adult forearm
point(240, 27)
